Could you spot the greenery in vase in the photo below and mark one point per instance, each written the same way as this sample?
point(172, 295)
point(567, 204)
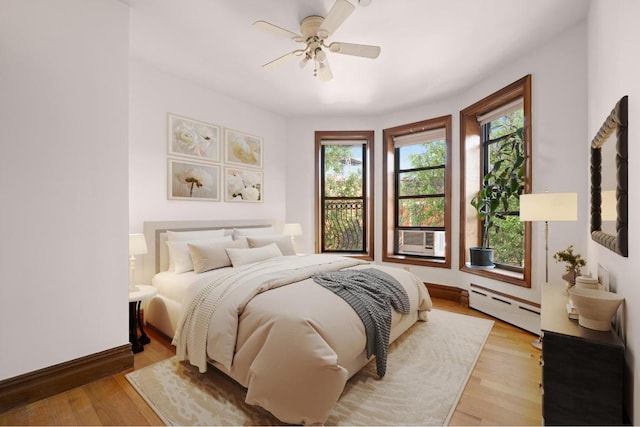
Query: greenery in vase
point(574, 262)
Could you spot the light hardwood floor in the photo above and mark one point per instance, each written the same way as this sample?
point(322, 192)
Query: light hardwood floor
point(502, 390)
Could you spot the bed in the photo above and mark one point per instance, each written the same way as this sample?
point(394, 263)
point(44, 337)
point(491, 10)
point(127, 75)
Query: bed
point(261, 316)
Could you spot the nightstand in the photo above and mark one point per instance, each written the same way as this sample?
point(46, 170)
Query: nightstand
point(136, 298)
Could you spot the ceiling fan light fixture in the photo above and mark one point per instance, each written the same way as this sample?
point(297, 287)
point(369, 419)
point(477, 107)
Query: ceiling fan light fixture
point(324, 72)
point(314, 29)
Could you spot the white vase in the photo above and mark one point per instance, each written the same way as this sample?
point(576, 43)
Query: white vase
point(587, 282)
point(595, 307)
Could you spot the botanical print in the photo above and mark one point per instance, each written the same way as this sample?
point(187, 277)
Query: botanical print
point(243, 185)
point(242, 148)
point(193, 181)
point(192, 138)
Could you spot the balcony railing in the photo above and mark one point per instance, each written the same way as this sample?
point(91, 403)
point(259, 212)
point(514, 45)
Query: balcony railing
point(343, 226)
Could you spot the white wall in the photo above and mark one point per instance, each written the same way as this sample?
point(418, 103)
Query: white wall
point(613, 69)
point(155, 93)
point(559, 159)
point(63, 169)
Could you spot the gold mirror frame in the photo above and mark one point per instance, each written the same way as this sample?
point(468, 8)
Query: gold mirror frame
point(616, 122)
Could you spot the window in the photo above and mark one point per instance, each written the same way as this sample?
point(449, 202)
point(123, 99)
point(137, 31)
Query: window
point(344, 208)
point(417, 191)
point(495, 143)
point(503, 155)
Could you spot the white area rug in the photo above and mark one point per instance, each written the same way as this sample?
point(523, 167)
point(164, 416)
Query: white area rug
point(427, 370)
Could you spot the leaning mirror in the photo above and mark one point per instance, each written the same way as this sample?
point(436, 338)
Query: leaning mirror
point(609, 182)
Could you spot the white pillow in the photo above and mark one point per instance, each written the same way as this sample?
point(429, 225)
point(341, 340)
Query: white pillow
point(284, 243)
point(211, 255)
point(247, 256)
point(255, 231)
point(180, 257)
point(174, 236)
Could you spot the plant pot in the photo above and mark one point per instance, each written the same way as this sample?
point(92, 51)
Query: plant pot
point(571, 276)
point(481, 257)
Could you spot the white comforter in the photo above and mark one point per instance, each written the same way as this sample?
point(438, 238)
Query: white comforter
point(293, 347)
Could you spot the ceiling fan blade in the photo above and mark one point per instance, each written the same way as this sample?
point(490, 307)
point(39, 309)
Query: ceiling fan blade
point(274, 29)
point(364, 50)
point(324, 71)
point(339, 12)
point(282, 59)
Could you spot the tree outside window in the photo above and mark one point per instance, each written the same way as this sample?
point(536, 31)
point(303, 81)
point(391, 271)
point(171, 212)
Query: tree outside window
point(343, 201)
point(503, 153)
point(420, 180)
point(416, 189)
point(343, 193)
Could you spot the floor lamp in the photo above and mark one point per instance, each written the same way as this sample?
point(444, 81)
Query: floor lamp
point(548, 207)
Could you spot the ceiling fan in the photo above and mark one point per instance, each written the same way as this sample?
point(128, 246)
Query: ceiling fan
point(314, 31)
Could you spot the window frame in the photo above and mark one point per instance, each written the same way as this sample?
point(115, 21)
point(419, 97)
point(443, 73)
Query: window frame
point(485, 157)
point(390, 199)
point(367, 137)
point(471, 178)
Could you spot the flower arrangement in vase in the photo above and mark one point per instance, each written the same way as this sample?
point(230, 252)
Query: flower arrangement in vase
point(574, 262)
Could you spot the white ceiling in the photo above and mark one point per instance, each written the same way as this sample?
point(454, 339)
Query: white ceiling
point(430, 48)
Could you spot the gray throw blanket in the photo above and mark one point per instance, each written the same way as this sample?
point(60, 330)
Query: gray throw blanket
point(371, 293)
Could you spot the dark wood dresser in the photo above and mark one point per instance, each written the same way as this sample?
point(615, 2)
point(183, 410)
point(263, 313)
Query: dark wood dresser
point(582, 369)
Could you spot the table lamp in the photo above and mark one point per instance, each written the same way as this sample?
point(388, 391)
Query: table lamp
point(292, 229)
point(137, 246)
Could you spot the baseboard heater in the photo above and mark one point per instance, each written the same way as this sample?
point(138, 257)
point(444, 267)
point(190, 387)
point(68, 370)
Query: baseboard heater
point(512, 310)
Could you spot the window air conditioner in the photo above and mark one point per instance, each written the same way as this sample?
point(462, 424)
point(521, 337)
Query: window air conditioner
point(420, 242)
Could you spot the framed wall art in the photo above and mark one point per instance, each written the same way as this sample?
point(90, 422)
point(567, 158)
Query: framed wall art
point(242, 149)
point(243, 185)
point(189, 180)
point(193, 138)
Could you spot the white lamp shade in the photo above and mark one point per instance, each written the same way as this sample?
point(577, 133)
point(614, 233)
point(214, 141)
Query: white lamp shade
point(137, 244)
point(549, 207)
point(292, 229)
point(608, 209)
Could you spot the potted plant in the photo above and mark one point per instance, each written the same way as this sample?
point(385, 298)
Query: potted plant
point(501, 187)
point(574, 262)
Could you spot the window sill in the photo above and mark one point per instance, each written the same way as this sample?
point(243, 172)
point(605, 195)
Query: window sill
point(423, 262)
point(364, 257)
point(507, 276)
